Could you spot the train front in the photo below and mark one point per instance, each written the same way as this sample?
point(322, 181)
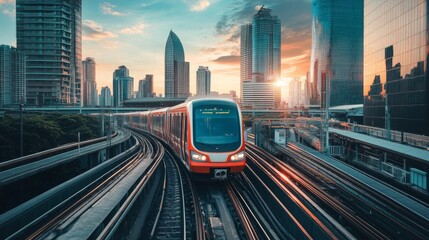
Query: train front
point(217, 149)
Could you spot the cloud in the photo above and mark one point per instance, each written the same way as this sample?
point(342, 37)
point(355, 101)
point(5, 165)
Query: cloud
point(295, 18)
point(108, 8)
point(230, 71)
point(7, 7)
point(200, 5)
point(136, 29)
point(228, 60)
point(93, 31)
point(9, 12)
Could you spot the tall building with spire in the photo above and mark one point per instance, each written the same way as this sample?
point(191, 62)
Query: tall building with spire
point(89, 84)
point(266, 40)
point(176, 69)
point(49, 32)
point(337, 51)
point(260, 50)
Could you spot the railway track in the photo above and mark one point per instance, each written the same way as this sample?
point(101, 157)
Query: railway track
point(101, 189)
point(292, 178)
point(170, 221)
point(105, 203)
point(179, 213)
point(394, 220)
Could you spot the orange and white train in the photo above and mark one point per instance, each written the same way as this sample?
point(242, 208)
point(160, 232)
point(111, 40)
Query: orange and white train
point(206, 133)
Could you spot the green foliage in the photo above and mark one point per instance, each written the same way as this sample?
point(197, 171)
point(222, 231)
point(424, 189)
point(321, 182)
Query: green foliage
point(9, 138)
point(42, 132)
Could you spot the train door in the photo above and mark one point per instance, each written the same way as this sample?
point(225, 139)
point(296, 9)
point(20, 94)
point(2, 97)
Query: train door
point(185, 138)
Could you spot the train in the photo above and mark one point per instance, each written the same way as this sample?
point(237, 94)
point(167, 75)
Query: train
point(206, 133)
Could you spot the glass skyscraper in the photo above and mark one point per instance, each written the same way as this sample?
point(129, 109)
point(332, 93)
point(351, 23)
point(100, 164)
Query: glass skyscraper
point(260, 60)
point(89, 85)
point(396, 83)
point(266, 40)
point(49, 33)
point(245, 56)
point(203, 80)
point(105, 97)
point(176, 69)
point(123, 86)
point(12, 76)
point(337, 51)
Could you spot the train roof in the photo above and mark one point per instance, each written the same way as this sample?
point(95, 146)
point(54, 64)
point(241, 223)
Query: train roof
point(194, 99)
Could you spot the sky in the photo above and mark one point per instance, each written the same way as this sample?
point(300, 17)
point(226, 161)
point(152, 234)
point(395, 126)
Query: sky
point(134, 33)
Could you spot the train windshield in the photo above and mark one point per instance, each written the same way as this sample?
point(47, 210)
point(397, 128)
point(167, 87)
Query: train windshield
point(216, 127)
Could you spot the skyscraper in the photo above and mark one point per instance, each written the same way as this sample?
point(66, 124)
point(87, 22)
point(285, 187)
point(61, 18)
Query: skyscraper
point(89, 84)
point(146, 87)
point(123, 86)
point(176, 69)
point(396, 83)
point(245, 56)
point(105, 97)
point(337, 51)
point(295, 96)
point(49, 32)
point(266, 40)
point(12, 76)
point(203, 80)
point(261, 41)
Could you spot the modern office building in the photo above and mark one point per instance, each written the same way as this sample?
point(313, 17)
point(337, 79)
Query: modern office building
point(123, 86)
point(258, 95)
point(12, 76)
point(396, 83)
point(203, 80)
point(105, 97)
point(245, 56)
point(295, 93)
point(176, 69)
point(146, 87)
point(337, 51)
point(266, 40)
point(89, 84)
point(260, 49)
point(49, 32)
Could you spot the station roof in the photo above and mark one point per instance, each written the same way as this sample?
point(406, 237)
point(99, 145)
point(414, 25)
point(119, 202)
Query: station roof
point(400, 149)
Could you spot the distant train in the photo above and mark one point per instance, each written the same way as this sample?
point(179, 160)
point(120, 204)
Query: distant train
point(206, 133)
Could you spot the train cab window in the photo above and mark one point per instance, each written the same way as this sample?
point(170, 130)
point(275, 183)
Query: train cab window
point(216, 127)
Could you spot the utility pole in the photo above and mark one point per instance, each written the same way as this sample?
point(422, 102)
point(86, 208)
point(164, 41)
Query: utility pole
point(21, 135)
point(78, 142)
point(387, 118)
point(327, 93)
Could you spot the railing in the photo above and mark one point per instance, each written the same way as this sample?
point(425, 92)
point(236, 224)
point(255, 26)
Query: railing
point(43, 154)
point(395, 136)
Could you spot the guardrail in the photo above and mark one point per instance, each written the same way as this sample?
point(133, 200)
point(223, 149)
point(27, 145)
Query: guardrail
point(47, 153)
point(26, 215)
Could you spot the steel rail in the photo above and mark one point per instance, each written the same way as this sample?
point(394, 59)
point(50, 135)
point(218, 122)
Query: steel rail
point(313, 188)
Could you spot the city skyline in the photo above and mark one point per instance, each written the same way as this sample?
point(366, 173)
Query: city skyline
point(128, 33)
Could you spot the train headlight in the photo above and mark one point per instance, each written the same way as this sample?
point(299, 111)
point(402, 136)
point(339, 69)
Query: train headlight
point(198, 157)
point(238, 156)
